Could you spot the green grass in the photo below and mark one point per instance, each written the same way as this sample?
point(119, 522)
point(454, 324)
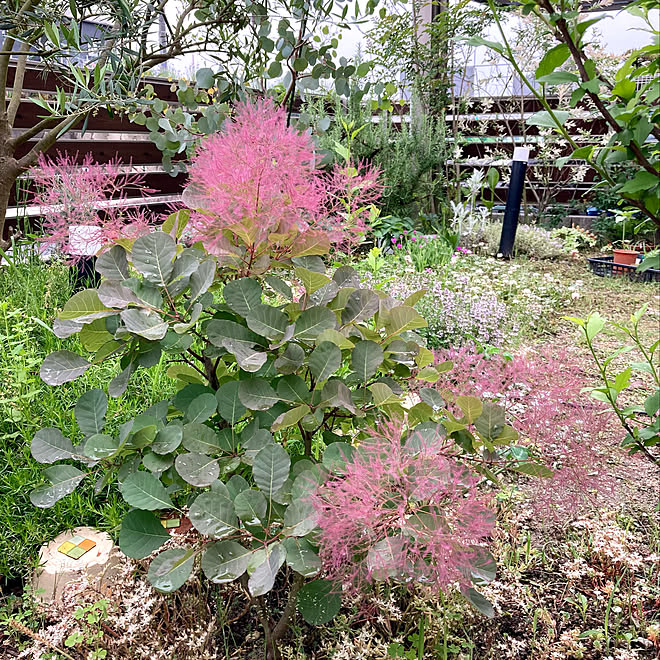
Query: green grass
point(31, 293)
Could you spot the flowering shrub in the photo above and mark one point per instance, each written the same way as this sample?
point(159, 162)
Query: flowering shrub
point(466, 316)
point(575, 238)
point(277, 396)
point(256, 182)
point(531, 241)
point(404, 508)
point(542, 396)
point(71, 195)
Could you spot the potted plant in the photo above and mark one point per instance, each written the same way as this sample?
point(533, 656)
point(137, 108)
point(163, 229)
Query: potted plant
point(625, 254)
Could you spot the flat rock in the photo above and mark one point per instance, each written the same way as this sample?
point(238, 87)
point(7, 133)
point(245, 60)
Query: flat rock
point(57, 569)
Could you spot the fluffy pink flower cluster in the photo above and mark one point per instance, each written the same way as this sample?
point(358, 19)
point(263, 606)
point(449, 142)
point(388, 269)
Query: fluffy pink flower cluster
point(258, 178)
point(544, 403)
point(402, 511)
point(71, 194)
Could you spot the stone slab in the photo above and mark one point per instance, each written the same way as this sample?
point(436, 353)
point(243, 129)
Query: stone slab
point(81, 552)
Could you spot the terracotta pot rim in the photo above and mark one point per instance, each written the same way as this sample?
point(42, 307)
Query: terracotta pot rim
point(622, 251)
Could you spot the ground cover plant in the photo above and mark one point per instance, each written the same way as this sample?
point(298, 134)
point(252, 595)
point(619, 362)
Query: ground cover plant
point(472, 298)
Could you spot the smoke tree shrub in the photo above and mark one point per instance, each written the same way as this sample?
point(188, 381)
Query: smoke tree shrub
point(542, 397)
point(275, 396)
point(77, 195)
point(405, 509)
point(257, 182)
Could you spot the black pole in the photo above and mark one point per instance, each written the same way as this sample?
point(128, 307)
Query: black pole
point(513, 199)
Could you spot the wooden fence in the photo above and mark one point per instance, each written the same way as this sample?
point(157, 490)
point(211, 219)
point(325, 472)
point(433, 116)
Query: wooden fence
point(106, 137)
point(486, 134)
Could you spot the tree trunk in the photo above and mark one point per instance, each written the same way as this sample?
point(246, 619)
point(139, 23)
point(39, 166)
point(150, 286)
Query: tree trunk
point(6, 184)
point(9, 170)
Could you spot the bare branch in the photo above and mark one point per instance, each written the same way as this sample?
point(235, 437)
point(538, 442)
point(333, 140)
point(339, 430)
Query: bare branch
point(17, 88)
point(48, 140)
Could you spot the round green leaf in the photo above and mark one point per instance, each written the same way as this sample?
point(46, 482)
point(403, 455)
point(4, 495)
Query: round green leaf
point(49, 445)
point(236, 485)
point(366, 358)
point(170, 569)
point(62, 366)
point(205, 78)
point(242, 295)
point(201, 408)
point(267, 321)
point(275, 70)
point(144, 491)
point(230, 407)
point(212, 514)
point(100, 445)
point(313, 321)
point(257, 394)
point(114, 294)
point(271, 468)
point(63, 478)
point(197, 469)
point(263, 576)
point(84, 306)
point(301, 557)
point(201, 439)
point(319, 602)
point(290, 417)
point(300, 518)
point(362, 304)
point(220, 330)
point(112, 264)
point(402, 318)
point(324, 361)
point(293, 389)
point(141, 534)
point(470, 406)
point(144, 322)
point(153, 256)
point(336, 456)
point(291, 359)
point(157, 463)
point(168, 439)
point(90, 411)
point(225, 561)
point(251, 506)
point(432, 397)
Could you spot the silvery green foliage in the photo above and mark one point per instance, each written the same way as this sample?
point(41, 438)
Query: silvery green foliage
point(265, 383)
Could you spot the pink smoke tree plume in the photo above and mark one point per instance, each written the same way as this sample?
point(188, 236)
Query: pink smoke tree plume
point(543, 401)
point(72, 194)
point(406, 509)
point(255, 191)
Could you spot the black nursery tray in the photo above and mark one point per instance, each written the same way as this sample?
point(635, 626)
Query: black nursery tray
point(605, 267)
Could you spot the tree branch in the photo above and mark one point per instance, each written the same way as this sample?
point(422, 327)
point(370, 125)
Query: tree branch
point(17, 88)
point(7, 50)
point(563, 34)
point(29, 133)
point(48, 140)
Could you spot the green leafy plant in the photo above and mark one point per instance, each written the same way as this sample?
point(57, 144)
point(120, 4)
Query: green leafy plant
point(641, 422)
point(90, 633)
point(430, 251)
point(575, 238)
point(277, 393)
